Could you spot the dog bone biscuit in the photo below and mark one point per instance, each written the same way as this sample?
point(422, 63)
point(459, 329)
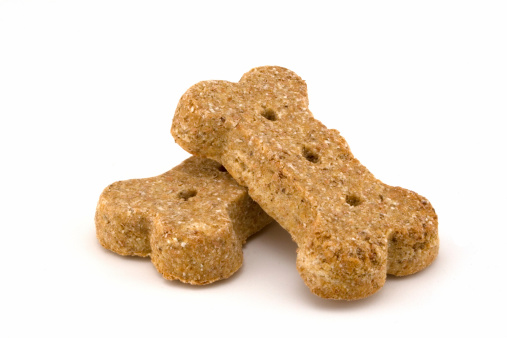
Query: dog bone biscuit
point(351, 229)
point(192, 221)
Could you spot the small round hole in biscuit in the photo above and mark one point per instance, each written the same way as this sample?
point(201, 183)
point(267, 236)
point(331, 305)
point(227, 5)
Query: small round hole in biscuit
point(222, 169)
point(186, 194)
point(310, 155)
point(353, 200)
point(269, 114)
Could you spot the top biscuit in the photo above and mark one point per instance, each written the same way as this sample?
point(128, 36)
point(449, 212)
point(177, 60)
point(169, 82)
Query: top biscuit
point(351, 229)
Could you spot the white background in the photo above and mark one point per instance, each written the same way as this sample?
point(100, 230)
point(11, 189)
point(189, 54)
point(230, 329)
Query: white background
point(87, 95)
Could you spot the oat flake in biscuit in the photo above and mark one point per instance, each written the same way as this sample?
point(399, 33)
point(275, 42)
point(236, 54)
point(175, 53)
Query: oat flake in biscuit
point(351, 229)
point(192, 221)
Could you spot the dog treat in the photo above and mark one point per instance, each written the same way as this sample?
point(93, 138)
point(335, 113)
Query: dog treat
point(192, 221)
point(351, 229)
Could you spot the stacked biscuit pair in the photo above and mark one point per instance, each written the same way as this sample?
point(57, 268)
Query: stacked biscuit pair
point(351, 229)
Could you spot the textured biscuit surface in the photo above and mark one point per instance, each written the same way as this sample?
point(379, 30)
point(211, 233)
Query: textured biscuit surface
point(351, 229)
point(192, 221)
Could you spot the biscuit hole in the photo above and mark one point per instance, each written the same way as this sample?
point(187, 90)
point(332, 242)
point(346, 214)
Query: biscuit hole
point(353, 200)
point(222, 169)
point(186, 194)
point(310, 155)
point(269, 114)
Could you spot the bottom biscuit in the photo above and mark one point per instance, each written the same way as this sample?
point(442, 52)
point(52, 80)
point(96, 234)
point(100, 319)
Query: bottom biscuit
point(192, 221)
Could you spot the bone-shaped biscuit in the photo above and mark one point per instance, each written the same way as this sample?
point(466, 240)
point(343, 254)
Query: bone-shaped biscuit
point(351, 229)
point(192, 221)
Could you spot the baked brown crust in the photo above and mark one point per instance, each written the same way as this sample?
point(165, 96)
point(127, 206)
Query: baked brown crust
point(192, 221)
point(351, 229)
